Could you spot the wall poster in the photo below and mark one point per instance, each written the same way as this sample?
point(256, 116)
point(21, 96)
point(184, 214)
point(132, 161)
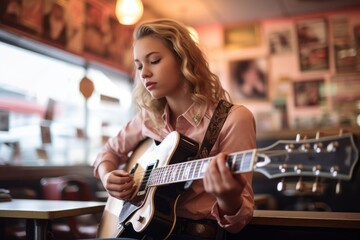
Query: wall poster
point(313, 44)
point(249, 78)
point(309, 93)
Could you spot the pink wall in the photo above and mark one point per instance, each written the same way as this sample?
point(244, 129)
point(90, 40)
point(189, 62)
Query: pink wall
point(282, 69)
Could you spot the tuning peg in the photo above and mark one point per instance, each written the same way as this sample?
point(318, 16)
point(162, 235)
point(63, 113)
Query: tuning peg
point(281, 186)
point(305, 146)
point(315, 186)
point(318, 146)
point(289, 147)
point(331, 147)
point(338, 187)
point(300, 185)
point(334, 170)
point(316, 169)
point(298, 168)
point(283, 168)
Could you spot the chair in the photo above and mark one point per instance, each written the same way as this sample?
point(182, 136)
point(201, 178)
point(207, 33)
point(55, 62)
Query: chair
point(74, 188)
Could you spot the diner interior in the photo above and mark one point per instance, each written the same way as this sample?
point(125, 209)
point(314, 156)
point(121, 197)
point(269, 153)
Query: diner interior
point(65, 92)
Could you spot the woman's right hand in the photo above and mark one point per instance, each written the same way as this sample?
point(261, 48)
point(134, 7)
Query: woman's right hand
point(119, 184)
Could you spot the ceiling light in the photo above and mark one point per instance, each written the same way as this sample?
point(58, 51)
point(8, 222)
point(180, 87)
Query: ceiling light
point(128, 12)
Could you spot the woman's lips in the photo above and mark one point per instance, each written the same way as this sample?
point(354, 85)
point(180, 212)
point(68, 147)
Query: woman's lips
point(150, 85)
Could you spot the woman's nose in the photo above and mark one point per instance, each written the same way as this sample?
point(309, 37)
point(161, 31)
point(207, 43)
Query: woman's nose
point(145, 73)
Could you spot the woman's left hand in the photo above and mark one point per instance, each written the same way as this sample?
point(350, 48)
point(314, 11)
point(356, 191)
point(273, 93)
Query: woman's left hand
point(225, 186)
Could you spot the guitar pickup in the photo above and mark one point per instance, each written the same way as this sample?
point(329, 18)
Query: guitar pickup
point(145, 179)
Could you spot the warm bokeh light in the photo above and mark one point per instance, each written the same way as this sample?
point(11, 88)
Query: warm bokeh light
point(194, 34)
point(128, 12)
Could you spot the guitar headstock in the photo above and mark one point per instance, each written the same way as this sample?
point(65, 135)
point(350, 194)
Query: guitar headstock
point(332, 157)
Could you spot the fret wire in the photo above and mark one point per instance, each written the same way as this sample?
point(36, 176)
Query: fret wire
point(193, 165)
point(230, 162)
point(167, 178)
point(239, 161)
point(183, 171)
point(179, 172)
point(186, 171)
point(248, 157)
point(183, 165)
point(204, 166)
point(190, 170)
point(173, 171)
point(161, 173)
point(242, 161)
point(193, 169)
point(200, 169)
point(197, 168)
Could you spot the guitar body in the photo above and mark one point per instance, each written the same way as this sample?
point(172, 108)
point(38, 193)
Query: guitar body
point(151, 211)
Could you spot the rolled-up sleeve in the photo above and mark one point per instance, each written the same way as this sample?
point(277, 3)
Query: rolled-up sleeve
point(116, 150)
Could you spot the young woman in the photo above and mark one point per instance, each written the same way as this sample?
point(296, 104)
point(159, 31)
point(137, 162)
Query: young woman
point(176, 91)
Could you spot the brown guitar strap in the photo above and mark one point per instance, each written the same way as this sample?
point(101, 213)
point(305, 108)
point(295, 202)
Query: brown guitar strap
point(216, 122)
point(213, 130)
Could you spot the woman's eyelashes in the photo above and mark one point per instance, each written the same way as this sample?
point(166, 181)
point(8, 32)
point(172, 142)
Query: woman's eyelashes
point(155, 61)
point(140, 66)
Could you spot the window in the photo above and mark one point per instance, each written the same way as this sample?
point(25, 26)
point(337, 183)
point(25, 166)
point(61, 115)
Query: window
point(30, 82)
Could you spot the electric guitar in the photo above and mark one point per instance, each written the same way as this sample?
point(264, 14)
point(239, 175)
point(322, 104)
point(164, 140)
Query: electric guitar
point(160, 173)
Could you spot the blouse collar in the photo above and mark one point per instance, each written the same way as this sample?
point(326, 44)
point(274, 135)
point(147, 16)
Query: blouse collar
point(191, 115)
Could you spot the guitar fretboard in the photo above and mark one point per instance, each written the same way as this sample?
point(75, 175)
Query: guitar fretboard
point(192, 170)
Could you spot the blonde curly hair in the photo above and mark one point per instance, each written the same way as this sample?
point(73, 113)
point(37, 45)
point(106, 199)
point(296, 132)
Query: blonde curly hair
point(204, 85)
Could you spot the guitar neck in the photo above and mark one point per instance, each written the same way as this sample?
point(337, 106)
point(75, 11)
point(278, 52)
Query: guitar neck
point(191, 170)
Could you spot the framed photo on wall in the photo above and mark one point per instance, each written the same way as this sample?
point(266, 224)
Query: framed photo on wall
point(280, 42)
point(249, 78)
point(313, 44)
point(344, 47)
point(242, 36)
point(309, 93)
